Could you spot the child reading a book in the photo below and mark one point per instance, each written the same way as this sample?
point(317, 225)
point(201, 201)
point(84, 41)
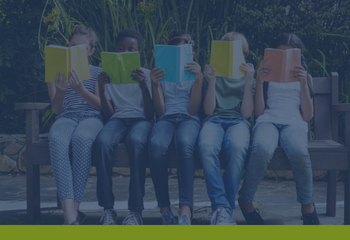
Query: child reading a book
point(177, 105)
point(228, 103)
point(282, 111)
point(78, 122)
point(128, 108)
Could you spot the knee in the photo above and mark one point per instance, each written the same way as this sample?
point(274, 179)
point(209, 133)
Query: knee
point(207, 149)
point(300, 158)
point(156, 148)
point(83, 139)
point(136, 141)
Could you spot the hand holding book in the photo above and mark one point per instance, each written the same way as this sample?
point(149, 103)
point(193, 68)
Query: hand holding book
point(140, 77)
point(61, 84)
point(249, 69)
point(209, 72)
point(157, 75)
point(75, 82)
point(299, 73)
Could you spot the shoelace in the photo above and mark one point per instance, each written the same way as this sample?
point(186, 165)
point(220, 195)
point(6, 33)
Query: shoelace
point(107, 218)
point(131, 219)
point(217, 216)
point(184, 220)
point(168, 217)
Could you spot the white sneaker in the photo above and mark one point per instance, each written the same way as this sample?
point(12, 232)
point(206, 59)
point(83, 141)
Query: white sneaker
point(109, 217)
point(133, 218)
point(185, 220)
point(221, 217)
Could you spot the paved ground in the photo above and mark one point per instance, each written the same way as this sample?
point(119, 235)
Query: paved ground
point(276, 202)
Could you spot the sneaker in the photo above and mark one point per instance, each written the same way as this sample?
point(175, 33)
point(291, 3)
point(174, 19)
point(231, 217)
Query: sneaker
point(252, 218)
point(310, 218)
point(185, 220)
point(221, 217)
point(109, 217)
point(168, 218)
point(133, 218)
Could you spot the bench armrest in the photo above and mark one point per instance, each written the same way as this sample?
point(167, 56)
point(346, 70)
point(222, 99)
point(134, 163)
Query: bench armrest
point(344, 107)
point(31, 106)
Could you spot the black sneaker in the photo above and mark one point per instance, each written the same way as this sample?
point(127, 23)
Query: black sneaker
point(310, 218)
point(252, 218)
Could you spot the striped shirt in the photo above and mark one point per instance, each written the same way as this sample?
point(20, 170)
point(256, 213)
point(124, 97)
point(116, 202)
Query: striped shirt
point(74, 103)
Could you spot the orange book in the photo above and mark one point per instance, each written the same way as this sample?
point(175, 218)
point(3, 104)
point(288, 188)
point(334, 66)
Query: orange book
point(281, 63)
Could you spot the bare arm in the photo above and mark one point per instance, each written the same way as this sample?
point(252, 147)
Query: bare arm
point(106, 104)
point(196, 92)
point(209, 103)
point(157, 74)
point(57, 90)
point(247, 107)
point(259, 102)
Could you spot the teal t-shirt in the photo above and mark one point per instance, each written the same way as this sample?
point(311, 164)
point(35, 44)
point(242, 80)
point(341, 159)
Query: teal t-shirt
point(229, 95)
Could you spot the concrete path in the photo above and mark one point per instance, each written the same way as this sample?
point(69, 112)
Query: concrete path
point(276, 201)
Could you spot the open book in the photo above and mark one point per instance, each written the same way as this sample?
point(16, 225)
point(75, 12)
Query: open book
point(173, 59)
point(226, 57)
point(119, 66)
point(64, 59)
point(281, 63)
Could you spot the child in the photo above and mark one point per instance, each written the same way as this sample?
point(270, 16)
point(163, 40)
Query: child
point(177, 105)
point(78, 122)
point(130, 112)
point(228, 103)
point(282, 110)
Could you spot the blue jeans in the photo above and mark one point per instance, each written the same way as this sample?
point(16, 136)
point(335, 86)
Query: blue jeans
point(135, 132)
point(183, 131)
point(75, 131)
point(293, 140)
point(234, 136)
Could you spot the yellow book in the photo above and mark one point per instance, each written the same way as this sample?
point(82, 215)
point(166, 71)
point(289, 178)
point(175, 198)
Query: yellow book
point(64, 59)
point(226, 57)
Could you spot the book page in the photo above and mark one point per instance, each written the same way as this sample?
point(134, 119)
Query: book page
point(274, 60)
point(293, 58)
point(79, 61)
point(110, 63)
point(166, 57)
point(56, 59)
point(128, 62)
point(221, 58)
point(238, 59)
point(185, 57)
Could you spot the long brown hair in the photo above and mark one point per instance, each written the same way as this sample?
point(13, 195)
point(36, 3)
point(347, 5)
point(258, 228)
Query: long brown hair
point(292, 40)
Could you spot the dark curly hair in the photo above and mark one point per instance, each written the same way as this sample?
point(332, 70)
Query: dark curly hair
point(131, 34)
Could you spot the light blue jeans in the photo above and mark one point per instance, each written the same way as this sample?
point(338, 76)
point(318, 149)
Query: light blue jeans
point(75, 131)
point(234, 136)
point(293, 140)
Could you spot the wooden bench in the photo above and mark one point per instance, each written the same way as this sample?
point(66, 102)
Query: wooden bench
point(325, 153)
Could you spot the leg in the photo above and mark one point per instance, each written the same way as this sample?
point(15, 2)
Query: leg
point(184, 140)
point(59, 141)
point(331, 193)
point(105, 143)
point(265, 142)
point(159, 141)
point(209, 146)
point(136, 145)
point(236, 143)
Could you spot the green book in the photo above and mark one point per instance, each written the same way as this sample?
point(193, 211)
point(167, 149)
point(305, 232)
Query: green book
point(119, 66)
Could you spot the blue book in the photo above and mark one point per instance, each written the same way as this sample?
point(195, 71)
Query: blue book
point(173, 60)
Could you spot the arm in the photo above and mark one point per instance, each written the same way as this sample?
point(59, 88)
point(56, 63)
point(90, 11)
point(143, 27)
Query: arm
point(106, 104)
point(157, 75)
point(259, 102)
point(77, 86)
point(209, 103)
point(306, 105)
point(247, 107)
point(196, 92)
point(57, 90)
point(148, 107)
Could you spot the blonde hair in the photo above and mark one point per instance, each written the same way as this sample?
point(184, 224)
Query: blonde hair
point(232, 36)
point(85, 31)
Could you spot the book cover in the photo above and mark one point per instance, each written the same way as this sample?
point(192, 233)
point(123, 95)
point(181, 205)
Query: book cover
point(173, 60)
point(281, 63)
point(226, 58)
point(119, 66)
point(64, 59)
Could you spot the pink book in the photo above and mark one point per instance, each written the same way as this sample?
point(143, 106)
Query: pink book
point(281, 63)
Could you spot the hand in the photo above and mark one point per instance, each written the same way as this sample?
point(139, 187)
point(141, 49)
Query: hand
point(193, 67)
point(75, 83)
point(60, 84)
point(300, 74)
point(249, 69)
point(262, 71)
point(140, 77)
point(102, 80)
point(157, 74)
point(209, 73)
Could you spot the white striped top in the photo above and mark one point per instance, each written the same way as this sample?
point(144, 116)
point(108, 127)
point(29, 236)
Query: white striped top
point(74, 103)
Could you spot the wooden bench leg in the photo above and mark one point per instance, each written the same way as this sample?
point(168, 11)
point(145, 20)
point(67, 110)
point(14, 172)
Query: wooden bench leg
point(33, 193)
point(331, 193)
point(347, 198)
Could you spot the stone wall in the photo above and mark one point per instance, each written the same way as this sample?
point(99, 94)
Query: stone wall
point(13, 159)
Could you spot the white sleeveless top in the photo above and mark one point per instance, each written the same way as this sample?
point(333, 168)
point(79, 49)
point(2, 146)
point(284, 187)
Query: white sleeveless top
point(283, 100)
